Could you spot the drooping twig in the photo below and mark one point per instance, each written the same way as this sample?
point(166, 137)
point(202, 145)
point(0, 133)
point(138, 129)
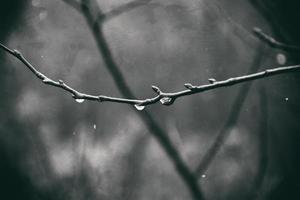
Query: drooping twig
point(272, 42)
point(166, 98)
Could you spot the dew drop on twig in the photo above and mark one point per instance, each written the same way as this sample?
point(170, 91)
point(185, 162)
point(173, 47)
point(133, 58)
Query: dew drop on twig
point(79, 100)
point(166, 101)
point(139, 107)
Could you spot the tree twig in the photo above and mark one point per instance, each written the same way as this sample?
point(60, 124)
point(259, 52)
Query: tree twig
point(272, 42)
point(165, 98)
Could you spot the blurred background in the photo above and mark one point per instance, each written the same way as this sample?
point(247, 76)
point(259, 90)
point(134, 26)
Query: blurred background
point(52, 147)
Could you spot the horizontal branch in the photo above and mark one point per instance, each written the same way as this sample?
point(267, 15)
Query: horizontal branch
point(164, 97)
point(273, 42)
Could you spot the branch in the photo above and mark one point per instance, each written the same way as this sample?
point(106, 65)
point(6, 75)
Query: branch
point(273, 42)
point(165, 98)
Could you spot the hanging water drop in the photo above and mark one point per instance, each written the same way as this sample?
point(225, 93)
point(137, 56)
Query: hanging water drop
point(79, 100)
point(139, 107)
point(166, 101)
point(95, 126)
point(203, 175)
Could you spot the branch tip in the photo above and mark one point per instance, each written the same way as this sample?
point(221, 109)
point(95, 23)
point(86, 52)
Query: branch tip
point(156, 89)
point(212, 80)
point(189, 86)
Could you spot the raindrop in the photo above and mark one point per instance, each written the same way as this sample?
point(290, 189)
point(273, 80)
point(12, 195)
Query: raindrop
point(203, 175)
point(95, 126)
point(166, 101)
point(79, 100)
point(286, 99)
point(139, 107)
point(281, 58)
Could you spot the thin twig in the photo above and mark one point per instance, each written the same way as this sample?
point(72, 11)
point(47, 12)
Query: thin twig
point(166, 98)
point(272, 42)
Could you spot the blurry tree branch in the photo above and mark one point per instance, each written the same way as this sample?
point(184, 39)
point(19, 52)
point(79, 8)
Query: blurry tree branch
point(232, 119)
point(256, 189)
point(273, 42)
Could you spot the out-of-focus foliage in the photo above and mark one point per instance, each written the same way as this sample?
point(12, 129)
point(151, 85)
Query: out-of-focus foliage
point(56, 148)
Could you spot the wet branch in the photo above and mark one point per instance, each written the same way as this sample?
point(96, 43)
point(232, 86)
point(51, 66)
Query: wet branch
point(165, 98)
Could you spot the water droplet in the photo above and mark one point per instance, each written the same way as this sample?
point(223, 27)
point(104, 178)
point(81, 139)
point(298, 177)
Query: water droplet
point(139, 107)
point(281, 58)
point(166, 101)
point(79, 100)
point(212, 80)
point(203, 175)
point(95, 126)
point(286, 99)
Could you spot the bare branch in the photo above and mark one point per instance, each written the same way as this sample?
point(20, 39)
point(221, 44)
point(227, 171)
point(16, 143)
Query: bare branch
point(166, 98)
point(273, 42)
